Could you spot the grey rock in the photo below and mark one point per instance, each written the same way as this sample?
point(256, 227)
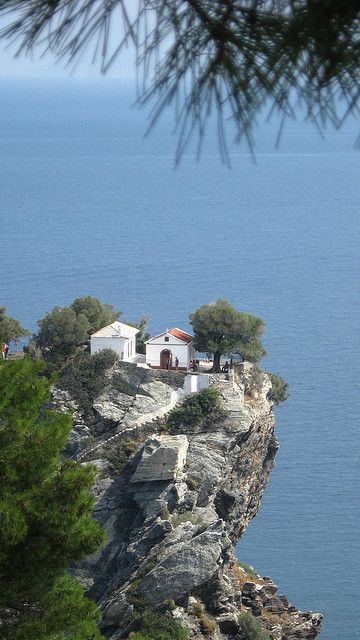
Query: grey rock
point(173, 539)
point(188, 567)
point(163, 457)
point(112, 405)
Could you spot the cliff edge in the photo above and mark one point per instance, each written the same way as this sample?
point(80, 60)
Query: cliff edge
point(174, 497)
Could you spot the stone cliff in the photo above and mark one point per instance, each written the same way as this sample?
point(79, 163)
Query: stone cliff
point(175, 499)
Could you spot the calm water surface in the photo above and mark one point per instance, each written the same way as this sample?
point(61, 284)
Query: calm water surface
point(88, 206)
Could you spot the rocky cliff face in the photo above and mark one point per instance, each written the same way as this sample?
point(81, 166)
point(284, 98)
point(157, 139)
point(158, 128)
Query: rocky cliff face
point(175, 501)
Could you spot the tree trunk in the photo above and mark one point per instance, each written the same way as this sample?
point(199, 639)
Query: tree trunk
point(216, 364)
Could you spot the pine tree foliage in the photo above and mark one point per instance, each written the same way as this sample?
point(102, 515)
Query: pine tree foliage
point(230, 57)
point(279, 389)
point(45, 512)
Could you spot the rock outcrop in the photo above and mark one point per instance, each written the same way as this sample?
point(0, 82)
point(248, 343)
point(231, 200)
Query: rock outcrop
point(175, 501)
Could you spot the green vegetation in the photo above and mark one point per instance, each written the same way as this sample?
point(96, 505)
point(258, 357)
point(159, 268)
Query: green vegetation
point(207, 625)
point(97, 313)
point(248, 570)
point(45, 513)
point(251, 627)
point(84, 376)
point(197, 409)
point(147, 622)
point(209, 57)
point(280, 389)
point(151, 623)
point(61, 331)
point(164, 513)
point(10, 329)
point(191, 483)
point(64, 329)
point(119, 453)
point(221, 329)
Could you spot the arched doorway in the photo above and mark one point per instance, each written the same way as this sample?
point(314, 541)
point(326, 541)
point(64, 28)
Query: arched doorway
point(165, 359)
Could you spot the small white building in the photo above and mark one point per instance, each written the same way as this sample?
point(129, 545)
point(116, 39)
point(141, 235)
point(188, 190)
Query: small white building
point(163, 351)
point(117, 336)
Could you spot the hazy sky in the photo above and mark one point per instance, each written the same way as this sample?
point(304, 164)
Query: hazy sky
point(34, 65)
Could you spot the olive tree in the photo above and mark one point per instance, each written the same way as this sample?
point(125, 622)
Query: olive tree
point(10, 328)
point(98, 314)
point(221, 329)
point(64, 329)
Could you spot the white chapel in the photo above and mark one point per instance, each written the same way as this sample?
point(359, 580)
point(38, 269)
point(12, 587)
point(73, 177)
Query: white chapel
point(172, 349)
point(119, 337)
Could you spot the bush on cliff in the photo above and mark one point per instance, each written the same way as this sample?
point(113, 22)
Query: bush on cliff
point(84, 377)
point(251, 627)
point(45, 514)
point(279, 391)
point(199, 408)
point(150, 623)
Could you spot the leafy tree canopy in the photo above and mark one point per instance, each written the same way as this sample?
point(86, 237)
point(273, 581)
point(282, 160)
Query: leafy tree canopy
point(61, 331)
point(10, 329)
point(230, 57)
point(221, 329)
point(64, 329)
point(97, 313)
point(45, 514)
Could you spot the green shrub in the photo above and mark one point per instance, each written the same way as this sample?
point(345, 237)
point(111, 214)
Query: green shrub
point(248, 570)
point(130, 446)
point(251, 627)
point(280, 389)
point(207, 625)
point(164, 513)
point(118, 454)
point(200, 408)
point(148, 566)
point(85, 376)
point(168, 605)
point(148, 622)
point(191, 483)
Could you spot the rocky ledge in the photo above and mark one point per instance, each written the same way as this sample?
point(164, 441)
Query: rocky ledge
point(175, 500)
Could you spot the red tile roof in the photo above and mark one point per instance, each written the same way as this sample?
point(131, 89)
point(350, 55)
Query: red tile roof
point(177, 333)
point(182, 335)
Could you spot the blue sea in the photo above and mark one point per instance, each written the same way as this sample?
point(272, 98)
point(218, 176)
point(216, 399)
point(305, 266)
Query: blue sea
point(88, 206)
